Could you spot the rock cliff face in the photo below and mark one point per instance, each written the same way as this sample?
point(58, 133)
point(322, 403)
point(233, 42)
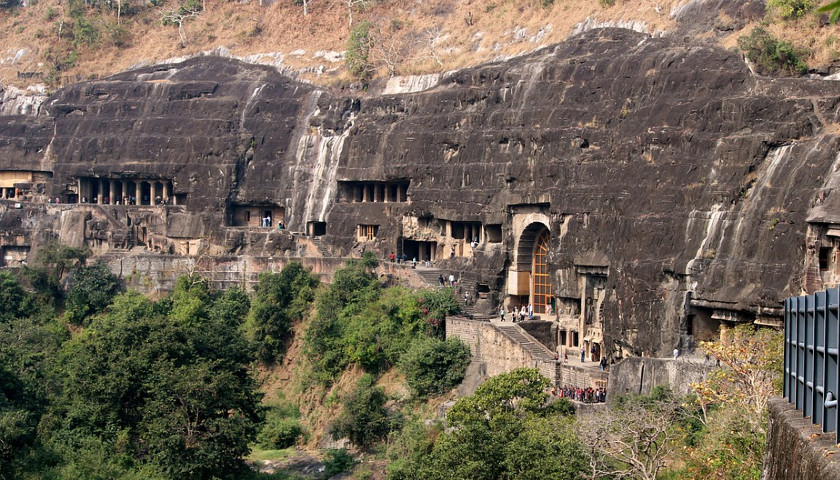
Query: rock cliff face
point(649, 191)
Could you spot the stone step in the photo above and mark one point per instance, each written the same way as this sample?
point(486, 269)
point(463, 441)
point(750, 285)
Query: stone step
point(319, 244)
point(528, 343)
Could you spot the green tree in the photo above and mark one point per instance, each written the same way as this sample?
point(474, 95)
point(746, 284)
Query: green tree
point(545, 448)
point(357, 55)
point(31, 339)
point(353, 289)
point(433, 367)
point(363, 420)
point(172, 397)
point(90, 290)
point(503, 430)
point(15, 300)
point(17, 422)
point(279, 300)
point(49, 267)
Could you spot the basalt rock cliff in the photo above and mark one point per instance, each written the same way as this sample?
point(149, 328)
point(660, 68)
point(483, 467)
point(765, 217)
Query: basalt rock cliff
point(641, 191)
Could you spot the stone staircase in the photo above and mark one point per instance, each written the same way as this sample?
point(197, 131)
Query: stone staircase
point(322, 248)
point(527, 342)
point(466, 283)
point(429, 275)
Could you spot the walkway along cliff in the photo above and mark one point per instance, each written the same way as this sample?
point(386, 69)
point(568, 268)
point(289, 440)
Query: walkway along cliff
point(642, 192)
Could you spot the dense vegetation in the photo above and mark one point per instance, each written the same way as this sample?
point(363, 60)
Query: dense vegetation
point(360, 322)
point(97, 382)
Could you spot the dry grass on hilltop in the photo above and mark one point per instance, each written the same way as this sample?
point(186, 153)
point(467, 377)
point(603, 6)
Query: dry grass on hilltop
point(422, 36)
point(413, 36)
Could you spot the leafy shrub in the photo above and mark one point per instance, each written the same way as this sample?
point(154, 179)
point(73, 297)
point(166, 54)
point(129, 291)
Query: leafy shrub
point(436, 304)
point(363, 420)
point(606, 3)
point(360, 322)
point(432, 367)
point(338, 461)
point(771, 54)
point(791, 9)
point(281, 429)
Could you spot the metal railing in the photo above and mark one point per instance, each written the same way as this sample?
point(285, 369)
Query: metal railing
point(812, 339)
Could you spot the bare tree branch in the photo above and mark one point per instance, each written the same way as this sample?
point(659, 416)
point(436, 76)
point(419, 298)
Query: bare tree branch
point(630, 441)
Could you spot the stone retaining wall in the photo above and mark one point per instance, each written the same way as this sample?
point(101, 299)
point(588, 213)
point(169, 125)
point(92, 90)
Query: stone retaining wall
point(796, 449)
point(637, 375)
point(499, 354)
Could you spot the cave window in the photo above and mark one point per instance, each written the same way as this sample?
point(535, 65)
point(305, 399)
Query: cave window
point(317, 229)
point(367, 232)
point(457, 230)
point(494, 233)
point(825, 256)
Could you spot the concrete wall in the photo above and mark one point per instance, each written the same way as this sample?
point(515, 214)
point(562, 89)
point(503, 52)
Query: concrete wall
point(796, 449)
point(636, 375)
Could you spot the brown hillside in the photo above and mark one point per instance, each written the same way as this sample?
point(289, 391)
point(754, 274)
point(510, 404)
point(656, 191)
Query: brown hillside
point(413, 37)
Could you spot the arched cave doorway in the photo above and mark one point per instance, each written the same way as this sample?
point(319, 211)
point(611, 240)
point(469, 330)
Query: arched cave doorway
point(532, 256)
point(540, 280)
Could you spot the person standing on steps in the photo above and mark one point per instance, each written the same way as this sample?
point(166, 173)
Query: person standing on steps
point(502, 312)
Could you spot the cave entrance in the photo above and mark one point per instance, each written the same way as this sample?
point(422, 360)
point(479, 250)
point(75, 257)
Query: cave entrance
point(541, 282)
point(316, 229)
point(422, 251)
point(145, 194)
point(533, 279)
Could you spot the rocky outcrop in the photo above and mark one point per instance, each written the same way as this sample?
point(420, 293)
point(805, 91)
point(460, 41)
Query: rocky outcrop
point(664, 170)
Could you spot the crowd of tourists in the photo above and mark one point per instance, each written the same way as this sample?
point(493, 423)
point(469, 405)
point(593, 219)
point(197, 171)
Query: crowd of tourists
point(585, 395)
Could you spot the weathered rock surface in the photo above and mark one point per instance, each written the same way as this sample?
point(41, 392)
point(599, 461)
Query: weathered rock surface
point(666, 166)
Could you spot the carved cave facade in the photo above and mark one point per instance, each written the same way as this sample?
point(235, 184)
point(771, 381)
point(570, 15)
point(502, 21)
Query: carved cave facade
point(636, 221)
